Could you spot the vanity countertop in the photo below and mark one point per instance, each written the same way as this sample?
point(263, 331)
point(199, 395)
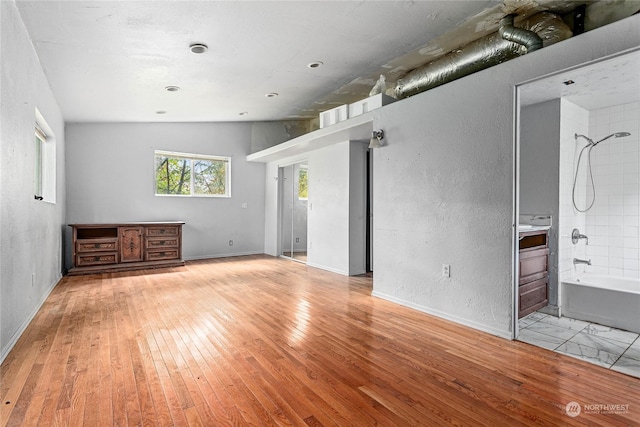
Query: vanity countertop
point(523, 228)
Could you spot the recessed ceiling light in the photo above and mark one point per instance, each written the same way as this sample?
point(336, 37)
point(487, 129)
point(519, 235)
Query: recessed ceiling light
point(568, 82)
point(271, 95)
point(315, 64)
point(161, 112)
point(244, 113)
point(172, 88)
point(198, 48)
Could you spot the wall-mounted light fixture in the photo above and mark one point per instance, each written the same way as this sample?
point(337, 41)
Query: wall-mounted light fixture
point(376, 138)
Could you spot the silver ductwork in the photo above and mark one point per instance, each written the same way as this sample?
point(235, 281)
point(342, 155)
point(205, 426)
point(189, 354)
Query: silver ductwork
point(509, 42)
point(530, 40)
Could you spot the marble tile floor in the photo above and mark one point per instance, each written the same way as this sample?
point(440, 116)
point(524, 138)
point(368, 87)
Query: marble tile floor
point(608, 347)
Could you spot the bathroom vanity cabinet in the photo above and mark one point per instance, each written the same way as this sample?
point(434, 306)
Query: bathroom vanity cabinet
point(533, 286)
point(100, 248)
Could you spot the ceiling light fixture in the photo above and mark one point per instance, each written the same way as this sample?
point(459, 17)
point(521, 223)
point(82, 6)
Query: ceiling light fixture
point(271, 95)
point(161, 112)
point(315, 64)
point(568, 82)
point(198, 48)
point(172, 88)
point(244, 113)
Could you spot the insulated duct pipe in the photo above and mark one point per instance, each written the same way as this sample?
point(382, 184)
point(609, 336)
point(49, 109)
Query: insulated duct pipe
point(530, 40)
point(485, 52)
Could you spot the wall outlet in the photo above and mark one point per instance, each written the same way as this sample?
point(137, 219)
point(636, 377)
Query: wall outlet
point(33, 279)
point(446, 270)
point(230, 242)
point(244, 205)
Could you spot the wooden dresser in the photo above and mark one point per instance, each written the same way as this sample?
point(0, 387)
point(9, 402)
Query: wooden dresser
point(99, 248)
point(533, 289)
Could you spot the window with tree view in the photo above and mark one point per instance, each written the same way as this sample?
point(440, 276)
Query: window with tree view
point(194, 175)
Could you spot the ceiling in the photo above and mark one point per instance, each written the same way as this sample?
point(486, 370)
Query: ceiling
point(600, 84)
point(111, 61)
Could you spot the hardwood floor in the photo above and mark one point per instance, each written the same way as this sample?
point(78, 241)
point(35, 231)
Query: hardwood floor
point(265, 341)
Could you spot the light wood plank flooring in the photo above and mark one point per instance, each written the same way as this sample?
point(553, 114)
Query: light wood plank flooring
point(265, 341)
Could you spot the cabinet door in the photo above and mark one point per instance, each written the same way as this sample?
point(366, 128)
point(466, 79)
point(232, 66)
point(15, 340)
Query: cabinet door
point(130, 244)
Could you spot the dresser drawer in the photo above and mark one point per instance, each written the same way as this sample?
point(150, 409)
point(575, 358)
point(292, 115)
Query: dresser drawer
point(96, 259)
point(158, 255)
point(533, 265)
point(533, 295)
point(161, 231)
point(161, 242)
point(96, 245)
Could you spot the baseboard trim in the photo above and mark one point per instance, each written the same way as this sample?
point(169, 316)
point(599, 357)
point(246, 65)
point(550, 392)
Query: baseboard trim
point(465, 322)
point(16, 336)
point(196, 258)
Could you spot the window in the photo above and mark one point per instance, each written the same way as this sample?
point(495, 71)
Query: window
point(303, 186)
point(40, 139)
point(44, 164)
point(195, 175)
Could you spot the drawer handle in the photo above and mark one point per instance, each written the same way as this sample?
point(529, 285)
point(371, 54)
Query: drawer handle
point(97, 245)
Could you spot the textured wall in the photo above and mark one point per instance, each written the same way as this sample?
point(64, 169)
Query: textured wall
point(111, 178)
point(30, 231)
point(444, 186)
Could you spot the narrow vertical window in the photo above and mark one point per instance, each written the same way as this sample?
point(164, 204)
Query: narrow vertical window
point(44, 161)
point(303, 186)
point(40, 140)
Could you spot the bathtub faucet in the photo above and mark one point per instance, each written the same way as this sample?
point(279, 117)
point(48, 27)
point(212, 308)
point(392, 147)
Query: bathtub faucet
point(576, 235)
point(581, 261)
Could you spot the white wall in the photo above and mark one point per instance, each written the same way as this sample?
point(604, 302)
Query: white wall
point(539, 174)
point(444, 186)
point(574, 119)
point(30, 231)
point(110, 178)
point(613, 223)
point(336, 207)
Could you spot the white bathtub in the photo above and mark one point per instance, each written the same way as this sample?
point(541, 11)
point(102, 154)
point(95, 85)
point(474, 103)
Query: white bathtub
point(610, 301)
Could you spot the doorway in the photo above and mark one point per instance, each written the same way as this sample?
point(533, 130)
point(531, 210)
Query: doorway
point(293, 211)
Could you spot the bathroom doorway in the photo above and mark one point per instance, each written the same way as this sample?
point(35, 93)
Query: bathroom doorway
point(294, 192)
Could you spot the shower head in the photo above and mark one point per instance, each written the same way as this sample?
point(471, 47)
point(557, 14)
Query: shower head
point(616, 135)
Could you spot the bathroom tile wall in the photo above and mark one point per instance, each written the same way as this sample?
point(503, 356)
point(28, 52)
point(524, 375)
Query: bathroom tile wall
point(613, 224)
point(574, 119)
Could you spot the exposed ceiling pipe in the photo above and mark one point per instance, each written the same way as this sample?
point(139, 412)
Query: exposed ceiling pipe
point(530, 40)
point(541, 29)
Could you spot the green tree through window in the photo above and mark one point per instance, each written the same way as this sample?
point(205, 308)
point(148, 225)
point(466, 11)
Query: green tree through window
point(303, 185)
point(191, 175)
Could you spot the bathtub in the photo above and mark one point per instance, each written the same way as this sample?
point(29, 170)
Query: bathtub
point(610, 301)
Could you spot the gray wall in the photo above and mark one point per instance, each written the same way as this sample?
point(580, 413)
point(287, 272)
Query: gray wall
point(444, 186)
point(540, 174)
point(30, 231)
point(110, 178)
point(336, 207)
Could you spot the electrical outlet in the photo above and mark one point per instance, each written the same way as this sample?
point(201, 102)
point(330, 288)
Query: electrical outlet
point(244, 205)
point(297, 240)
point(230, 242)
point(446, 270)
point(33, 279)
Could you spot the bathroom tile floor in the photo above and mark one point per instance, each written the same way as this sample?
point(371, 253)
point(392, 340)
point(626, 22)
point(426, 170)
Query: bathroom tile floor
point(609, 347)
